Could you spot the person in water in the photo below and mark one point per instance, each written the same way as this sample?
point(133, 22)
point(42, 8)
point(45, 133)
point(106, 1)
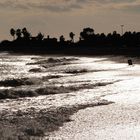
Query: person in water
point(130, 62)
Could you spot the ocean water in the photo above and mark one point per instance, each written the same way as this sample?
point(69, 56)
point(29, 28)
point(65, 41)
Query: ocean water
point(87, 79)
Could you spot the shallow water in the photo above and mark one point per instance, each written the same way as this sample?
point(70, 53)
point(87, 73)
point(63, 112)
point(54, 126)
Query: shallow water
point(106, 76)
point(68, 71)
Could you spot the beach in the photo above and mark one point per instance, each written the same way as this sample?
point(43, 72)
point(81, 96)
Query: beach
point(69, 97)
point(112, 122)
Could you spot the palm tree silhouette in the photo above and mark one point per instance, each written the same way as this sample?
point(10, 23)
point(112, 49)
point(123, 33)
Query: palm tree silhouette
point(26, 34)
point(13, 32)
point(40, 36)
point(87, 33)
point(71, 34)
point(62, 39)
point(18, 33)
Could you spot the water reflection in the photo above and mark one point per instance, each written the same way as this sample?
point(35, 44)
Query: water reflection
point(98, 70)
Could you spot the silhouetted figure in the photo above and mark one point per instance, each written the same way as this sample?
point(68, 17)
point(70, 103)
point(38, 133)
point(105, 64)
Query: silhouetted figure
point(130, 62)
point(13, 32)
point(48, 37)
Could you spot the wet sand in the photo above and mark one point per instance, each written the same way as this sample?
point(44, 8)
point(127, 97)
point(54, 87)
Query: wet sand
point(117, 121)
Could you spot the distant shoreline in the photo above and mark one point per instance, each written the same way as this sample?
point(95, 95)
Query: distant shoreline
point(89, 43)
point(75, 50)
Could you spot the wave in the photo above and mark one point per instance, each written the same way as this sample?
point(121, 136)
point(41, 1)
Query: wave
point(27, 81)
point(17, 82)
point(44, 78)
point(76, 71)
point(52, 60)
point(35, 70)
point(48, 90)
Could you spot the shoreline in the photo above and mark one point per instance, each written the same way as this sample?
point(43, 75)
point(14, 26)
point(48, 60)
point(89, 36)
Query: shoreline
point(41, 122)
point(73, 51)
point(115, 121)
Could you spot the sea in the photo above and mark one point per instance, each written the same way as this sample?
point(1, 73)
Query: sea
point(88, 77)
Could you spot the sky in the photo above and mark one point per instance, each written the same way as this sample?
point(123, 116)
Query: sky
point(57, 17)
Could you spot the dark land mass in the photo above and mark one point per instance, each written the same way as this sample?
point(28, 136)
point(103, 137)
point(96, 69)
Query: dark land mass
point(89, 43)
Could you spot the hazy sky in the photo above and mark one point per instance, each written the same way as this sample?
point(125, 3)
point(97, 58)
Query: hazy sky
point(56, 17)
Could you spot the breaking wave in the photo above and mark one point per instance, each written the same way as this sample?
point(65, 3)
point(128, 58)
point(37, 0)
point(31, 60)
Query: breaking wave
point(48, 90)
point(27, 81)
point(53, 60)
point(17, 82)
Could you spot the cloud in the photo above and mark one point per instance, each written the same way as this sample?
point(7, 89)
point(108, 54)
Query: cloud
point(50, 5)
point(62, 6)
point(70, 5)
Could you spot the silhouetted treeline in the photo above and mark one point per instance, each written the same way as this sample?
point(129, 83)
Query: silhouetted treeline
point(89, 43)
